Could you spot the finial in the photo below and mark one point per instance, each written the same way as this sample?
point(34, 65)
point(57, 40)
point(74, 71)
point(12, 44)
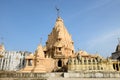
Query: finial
point(58, 12)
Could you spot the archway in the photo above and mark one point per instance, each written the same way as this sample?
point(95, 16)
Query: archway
point(59, 63)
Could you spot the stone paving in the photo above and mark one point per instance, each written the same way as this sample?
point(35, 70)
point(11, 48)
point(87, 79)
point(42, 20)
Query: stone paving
point(61, 79)
point(84, 79)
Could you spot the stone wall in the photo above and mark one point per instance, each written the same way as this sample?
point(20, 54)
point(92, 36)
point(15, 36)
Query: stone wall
point(12, 60)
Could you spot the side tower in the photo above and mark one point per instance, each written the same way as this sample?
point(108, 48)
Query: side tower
point(59, 45)
point(116, 54)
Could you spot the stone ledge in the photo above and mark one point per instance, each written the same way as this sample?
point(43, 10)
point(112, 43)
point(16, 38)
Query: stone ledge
point(92, 75)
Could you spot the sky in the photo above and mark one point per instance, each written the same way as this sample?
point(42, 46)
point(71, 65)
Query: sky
point(93, 24)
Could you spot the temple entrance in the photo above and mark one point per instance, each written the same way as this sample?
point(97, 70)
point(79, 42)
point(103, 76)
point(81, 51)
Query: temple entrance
point(59, 63)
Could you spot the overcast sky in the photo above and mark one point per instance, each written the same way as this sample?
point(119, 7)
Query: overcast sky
point(93, 24)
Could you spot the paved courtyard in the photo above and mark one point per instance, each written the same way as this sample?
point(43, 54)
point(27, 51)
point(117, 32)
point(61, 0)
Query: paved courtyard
point(84, 79)
point(63, 79)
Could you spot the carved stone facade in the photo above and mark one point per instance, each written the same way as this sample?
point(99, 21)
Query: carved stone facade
point(38, 63)
point(86, 62)
point(58, 55)
point(59, 45)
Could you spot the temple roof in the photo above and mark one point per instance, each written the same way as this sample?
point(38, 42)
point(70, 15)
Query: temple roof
point(83, 53)
point(118, 48)
point(59, 36)
point(86, 54)
point(39, 52)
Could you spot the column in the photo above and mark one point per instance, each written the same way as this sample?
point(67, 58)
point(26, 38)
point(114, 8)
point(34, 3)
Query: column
point(1, 64)
point(26, 62)
point(119, 66)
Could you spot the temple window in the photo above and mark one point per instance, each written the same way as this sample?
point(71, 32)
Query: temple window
point(93, 61)
point(59, 48)
point(46, 42)
point(85, 61)
point(89, 61)
point(101, 68)
point(72, 51)
point(72, 42)
point(45, 53)
point(59, 63)
point(59, 39)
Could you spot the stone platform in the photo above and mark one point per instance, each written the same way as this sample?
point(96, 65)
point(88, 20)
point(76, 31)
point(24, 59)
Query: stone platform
point(60, 76)
point(60, 79)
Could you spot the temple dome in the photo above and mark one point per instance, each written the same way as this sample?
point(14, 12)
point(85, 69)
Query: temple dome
point(118, 47)
point(60, 37)
point(39, 52)
point(83, 53)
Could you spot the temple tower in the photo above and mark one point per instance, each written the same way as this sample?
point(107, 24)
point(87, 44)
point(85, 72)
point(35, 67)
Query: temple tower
point(116, 54)
point(59, 45)
point(39, 54)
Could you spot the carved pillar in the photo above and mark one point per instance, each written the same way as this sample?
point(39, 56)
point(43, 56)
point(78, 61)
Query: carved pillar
point(119, 66)
point(26, 62)
point(87, 65)
point(91, 63)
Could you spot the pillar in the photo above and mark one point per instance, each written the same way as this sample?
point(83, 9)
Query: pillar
point(26, 62)
point(119, 66)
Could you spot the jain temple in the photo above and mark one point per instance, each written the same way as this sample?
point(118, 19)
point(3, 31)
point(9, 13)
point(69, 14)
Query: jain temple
point(58, 55)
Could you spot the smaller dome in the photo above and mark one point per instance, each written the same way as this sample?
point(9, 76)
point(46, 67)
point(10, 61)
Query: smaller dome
point(39, 52)
point(118, 48)
point(83, 53)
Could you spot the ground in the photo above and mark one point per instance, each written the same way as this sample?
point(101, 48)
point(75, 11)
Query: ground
point(63, 79)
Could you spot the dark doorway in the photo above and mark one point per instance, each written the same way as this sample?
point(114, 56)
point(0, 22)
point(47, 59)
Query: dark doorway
point(117, 67)
point(59, 63)
point(114, 66)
